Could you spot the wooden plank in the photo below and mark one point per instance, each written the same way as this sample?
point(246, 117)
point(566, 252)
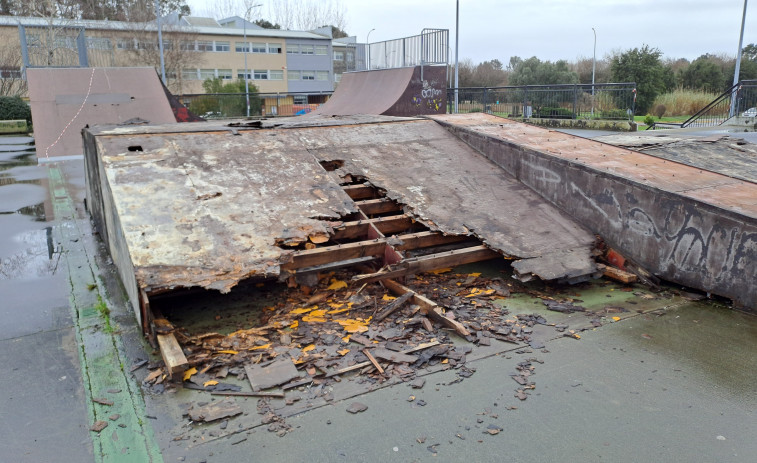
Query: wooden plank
point(394, 305)
point(377, 206)
point(360, 365)
point(428, 307)
point(329, 254)
point(363, 191)
point(373, 360)
point(427, 239)
point(278, 395)
point(620, 275)
point(430, 262)
point(359, 228)
point(173, 356)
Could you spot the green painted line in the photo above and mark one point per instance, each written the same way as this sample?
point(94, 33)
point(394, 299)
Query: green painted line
point(130, 437)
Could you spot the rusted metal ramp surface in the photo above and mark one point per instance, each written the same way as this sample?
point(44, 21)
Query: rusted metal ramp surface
point(393, 92)
point(206, 205)
point(683, 223)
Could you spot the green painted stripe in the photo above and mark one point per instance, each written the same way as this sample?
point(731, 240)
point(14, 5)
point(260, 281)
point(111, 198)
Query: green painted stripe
point(101, 352)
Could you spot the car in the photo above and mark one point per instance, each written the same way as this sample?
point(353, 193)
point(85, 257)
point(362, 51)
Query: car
point(751, 112)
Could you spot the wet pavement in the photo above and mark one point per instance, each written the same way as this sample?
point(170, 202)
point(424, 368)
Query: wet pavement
point(669, 380)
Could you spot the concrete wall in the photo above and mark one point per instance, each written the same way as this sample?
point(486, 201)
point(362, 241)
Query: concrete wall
point(618, 126)
point(671, 235)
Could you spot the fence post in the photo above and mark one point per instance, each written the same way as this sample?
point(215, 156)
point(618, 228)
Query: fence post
point(575, 100)
point(486, 100)
point(525, 101)
point(81, 45)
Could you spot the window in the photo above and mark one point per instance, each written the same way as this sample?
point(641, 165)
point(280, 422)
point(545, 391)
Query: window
point(189, 74)
point(98, 43)
point(167, 45)
point(293, 49)
point(260, 74)
point(276, 75)
point(204, 45)
point(207, 74)
point(125, 44)
point(308, 75)
point(338, 56)
point(306, 49)
point(274, 48)
point(225, 74)
point(145, 45)
point(9, 72)
point(258, 47)
point(242, 47)
point(294, 75)
point(321, 50)
point(350, 55)
point(187, 45)
point(337, 77)
point(322, 75)
point(240, 75)
point(223, 46)
point(300, 99)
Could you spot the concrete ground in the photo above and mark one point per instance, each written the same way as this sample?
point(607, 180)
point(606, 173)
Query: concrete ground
point(670, 380)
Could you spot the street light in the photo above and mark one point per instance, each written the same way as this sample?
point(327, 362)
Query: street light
point(593, 71)
point(736, 70)
point(247, 49)
point(368, 50)
point(457, 47)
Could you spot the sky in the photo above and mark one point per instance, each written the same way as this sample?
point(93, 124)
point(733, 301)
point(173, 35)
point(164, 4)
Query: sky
point(556, 29)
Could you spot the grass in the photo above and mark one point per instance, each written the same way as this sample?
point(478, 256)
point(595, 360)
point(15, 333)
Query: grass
point(683, 103)
point(104, 311)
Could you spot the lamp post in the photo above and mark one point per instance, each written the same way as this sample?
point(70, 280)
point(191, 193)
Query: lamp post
point(732, 111)
point(160, 43)
point(368, 50)
point(457, 46)
point(247, 49)
point(593, 71)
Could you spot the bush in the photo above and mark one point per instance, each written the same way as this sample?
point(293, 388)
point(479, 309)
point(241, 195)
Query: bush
point(659, 110)
point(14, 108)
point(613, 114)
point(648, 119)
point(684, 102)
point(555, 113)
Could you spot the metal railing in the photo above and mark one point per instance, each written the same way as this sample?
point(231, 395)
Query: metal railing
point(56, 45)
point(739, 101)
point(430, 47)
point(615, 101)
point(234, 105)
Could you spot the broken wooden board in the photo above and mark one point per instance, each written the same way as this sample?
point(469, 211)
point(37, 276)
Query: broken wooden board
point(173, 356)
point(215, 411)
point(428, 307)
point(277, 373)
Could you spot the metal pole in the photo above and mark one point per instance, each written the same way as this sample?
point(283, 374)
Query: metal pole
point(593, 72)
point(246, 70)
point(457, 49)
point(160, 43)
point(368, 50)
point(738, 63)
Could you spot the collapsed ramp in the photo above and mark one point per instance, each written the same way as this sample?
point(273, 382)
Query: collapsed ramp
point(681, 223)
point(207, 205)
point(65, 100)
point(409, 91)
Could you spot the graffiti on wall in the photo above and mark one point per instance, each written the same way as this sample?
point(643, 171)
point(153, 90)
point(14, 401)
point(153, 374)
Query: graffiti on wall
point(429, 96)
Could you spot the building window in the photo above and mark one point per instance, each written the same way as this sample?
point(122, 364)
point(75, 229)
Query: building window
point(274, 48)
point(293, 49)
point(9, 72)
point(300, 99)
point(306, 49)
point(321, 50)
point(167, 45)
point(260, 74)
point(242, 47)
point(240, 75)
point(98, 43)
point(258, 47)
point(125, 44)
point(276, 75)
point(337, 77)
point(308, 75)
point(207, 74)
point(350, 55)
point(187, 45)
point(321, 75)
point(223, 46)
point(225, 74)
point(189, 74)
point(338, 56)
point(145, 45)
point(294, 75)
point(204, 45)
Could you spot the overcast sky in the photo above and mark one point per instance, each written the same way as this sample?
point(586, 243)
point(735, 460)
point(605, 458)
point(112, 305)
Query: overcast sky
point(558, 29)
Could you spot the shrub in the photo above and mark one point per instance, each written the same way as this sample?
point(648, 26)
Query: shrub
point(13, 107)
point(659, 110)
point(614, 114)
point(648, 119)
point(555, 113)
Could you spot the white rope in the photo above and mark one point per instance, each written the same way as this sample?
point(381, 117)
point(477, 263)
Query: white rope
point(89, 90)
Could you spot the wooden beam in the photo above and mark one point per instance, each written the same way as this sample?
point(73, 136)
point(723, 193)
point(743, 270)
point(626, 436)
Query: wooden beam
point(428, 307)
point(362, 191)
point(619, 275)
point(329, 254)
point(433, 261)
point(373, 360)
point(173, 356)
point(377, 206)
point(427, 239)
point(360, 365)
point(392, 306)
point(359, 228)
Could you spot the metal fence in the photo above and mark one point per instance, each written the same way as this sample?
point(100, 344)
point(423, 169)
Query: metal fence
point(431, 47)
point(55, 45)
point(233, 105)
point(739, 101)
point(614, 101)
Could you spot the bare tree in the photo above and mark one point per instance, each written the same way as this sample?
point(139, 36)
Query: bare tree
point(11, 81)
point(307, 14)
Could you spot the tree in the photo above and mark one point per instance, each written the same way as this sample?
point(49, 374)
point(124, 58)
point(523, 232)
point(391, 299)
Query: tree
point(583, 68)
point(643, 66)
point(307, 14)
point(533, 71)
point(265, 24)
point(11, 83)
point(703, 74)
point(232, 106)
